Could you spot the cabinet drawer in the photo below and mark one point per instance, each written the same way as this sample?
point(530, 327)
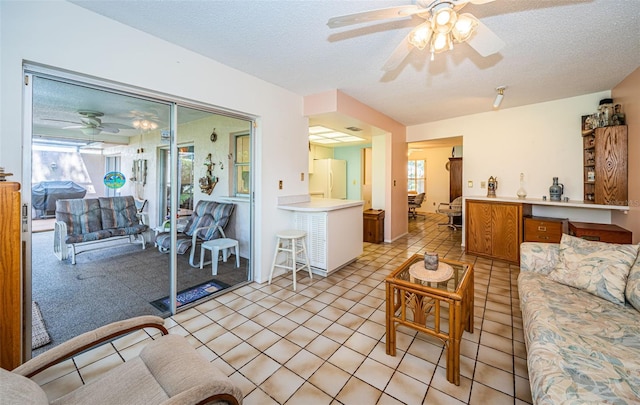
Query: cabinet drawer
point(548, 230)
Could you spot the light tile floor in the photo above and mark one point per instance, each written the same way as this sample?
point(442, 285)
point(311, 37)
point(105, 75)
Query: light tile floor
point(325, 343)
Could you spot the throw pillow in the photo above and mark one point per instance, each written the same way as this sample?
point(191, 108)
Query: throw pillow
point(596, 267)
point(633, 286)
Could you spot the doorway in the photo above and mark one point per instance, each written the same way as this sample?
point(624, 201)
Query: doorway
point(155, 147)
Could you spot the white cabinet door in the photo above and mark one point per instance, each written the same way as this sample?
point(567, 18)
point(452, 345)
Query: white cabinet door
point(315, 224)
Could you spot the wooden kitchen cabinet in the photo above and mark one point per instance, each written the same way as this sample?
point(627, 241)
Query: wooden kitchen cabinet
point(10, 277)
point(494, 229)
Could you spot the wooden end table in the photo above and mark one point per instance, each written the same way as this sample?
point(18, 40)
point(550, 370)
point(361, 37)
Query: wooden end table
point(420, 305)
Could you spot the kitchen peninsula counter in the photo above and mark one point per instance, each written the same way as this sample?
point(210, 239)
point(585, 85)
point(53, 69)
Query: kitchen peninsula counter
point(322, 204)
point(334, 229)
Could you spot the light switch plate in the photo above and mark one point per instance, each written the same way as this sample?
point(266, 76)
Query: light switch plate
point(483, 184)
point(470, 184)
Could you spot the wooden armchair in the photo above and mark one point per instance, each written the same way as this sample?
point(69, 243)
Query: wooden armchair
point(168, 371)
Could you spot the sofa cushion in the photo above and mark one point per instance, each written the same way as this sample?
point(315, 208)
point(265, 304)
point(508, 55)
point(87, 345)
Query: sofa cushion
point(209, 214)
point(596, 267)
point(632, 292)
point(80, 216)
point(118, 212)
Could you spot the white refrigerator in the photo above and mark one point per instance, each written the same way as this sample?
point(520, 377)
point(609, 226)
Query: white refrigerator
point(329, 179)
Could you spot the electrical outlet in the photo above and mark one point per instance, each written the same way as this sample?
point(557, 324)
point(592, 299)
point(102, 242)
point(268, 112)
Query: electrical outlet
point(301, 176)
point(280, 184)
point(470, 184)
point(483, 184)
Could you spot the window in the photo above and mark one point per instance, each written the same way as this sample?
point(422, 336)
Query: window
point(416, 179)
point(242, 163)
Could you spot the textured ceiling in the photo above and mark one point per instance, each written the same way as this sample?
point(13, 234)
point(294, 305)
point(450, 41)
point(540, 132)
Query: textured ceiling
point(554, 49)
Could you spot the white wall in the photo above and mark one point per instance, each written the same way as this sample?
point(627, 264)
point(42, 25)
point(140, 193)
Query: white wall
point(541, 140)
point(378, 174)
point(55, 33)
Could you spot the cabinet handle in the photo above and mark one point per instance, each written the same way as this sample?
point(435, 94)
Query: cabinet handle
point(542, 228)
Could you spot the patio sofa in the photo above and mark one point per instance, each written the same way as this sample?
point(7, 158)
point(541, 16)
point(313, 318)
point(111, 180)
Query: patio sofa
point(91, 222)
point(580, 304)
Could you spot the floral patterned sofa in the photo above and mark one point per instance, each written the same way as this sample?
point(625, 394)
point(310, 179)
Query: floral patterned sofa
point(580, 304)
point(90, 221)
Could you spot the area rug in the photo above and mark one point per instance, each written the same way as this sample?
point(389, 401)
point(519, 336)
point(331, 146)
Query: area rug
point(39, 334)
point(190, 295)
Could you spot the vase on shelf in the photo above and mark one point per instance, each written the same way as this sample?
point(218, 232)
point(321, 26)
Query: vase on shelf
point(521, 193)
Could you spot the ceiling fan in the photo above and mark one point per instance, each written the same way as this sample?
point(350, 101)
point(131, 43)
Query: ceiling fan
point(91, 124)
point(443, 26)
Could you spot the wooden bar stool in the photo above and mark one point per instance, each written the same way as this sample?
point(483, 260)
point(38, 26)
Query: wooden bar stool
point(292, 242)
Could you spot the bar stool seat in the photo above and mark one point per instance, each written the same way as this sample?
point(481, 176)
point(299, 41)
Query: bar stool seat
point(292, 242)
point(215, 246)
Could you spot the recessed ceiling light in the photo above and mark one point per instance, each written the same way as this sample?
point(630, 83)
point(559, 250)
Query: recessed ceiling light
point(318, 129)
point(326, 141)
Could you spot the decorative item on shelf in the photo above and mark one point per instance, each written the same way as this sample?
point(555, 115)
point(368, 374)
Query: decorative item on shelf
point(556, 190)
point(4, 174)
point(431, 261)
point(209, 181)
point(618, 115)
point(521, 193)
point(492, 186)
point(591, 175)
point(605, 110)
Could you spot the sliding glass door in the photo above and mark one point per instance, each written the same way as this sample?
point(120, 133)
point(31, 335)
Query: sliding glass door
point(182, 167)
point(212, 218)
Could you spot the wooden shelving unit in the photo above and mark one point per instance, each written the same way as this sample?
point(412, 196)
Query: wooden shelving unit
point(605, 165)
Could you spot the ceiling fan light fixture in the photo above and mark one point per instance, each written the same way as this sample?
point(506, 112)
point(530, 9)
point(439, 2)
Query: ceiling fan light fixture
point(89, 131)
point(499, 97)
point(420, 36)
point(440, 42)
point(144, 125)
point(443, 18)
point(464, 27)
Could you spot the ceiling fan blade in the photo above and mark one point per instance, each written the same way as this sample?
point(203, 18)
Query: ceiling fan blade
point(481, 1)
point(373, 15)
point(399, 54)
point(53, 119)
point(79, 126)
point(111, 130)
point(484, 41)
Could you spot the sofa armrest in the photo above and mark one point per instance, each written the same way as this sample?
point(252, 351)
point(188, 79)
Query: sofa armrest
point(87, 341)
point(539, 257)
point(143, 218)
point(59, 244)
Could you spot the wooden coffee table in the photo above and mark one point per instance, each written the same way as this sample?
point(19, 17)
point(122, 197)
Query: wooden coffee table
point(420, 305)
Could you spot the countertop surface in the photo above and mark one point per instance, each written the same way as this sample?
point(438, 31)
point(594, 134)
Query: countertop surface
point(322, 204)
point(540, 201)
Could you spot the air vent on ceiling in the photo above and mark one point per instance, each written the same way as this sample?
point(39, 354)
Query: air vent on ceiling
point(354, 129)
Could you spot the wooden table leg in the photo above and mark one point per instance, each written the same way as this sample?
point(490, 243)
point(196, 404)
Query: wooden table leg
point(390, 327)
point(453, 351)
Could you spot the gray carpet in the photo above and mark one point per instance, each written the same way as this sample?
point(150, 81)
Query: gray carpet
point(108, 285)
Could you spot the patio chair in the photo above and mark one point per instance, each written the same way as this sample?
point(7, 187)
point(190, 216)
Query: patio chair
point(207, 222)
point(452, 210)
point(168, 370)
